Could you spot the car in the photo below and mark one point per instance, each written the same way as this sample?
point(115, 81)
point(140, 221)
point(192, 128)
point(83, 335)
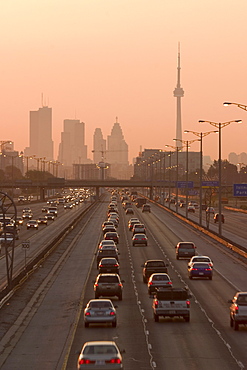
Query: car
point(210, 210)
point(27, 216)
point(108, 285)
point(6, 238)
point(106, 253)
point(200, 270)
point(129, 211)
point(107, 242)
point(139, 229)
point(44, 209)
point(108, 228)
point(191, 209)
point(158, 280)
point(32, 224)
point(108, 265)
point(12, 228)
point(238, 310)
point(19, 220)
point(100, 355)
point(100, 311)
point(50, 217)
point(193, 203)
point(153, 266)
point(200, 258)
point(68, 206)
point(185, 250)
point(146, 208)
point(106, 223)
point(139, 239)
point(217, 217)
point(27, 210)
point(42, 220)
point(132, 223)
point(114, 221)
point(112, 236)
point(52, 210)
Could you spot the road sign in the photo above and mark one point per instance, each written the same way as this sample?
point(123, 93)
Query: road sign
point(185, 184)
point(26, 244)
point(210, 184)
point(240, 190)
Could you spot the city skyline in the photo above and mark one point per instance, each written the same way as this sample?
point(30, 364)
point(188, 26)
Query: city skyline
point(94, 61)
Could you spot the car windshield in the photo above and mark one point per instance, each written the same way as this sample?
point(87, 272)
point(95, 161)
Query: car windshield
point(156, 264)
point(186, 246)
point(201, 265)
point(99, 349)
point(201, 259)
point(160, 277)
point(100, 304)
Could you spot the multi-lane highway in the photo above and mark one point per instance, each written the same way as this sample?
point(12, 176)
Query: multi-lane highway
point(42, 324)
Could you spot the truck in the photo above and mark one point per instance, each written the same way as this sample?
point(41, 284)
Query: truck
point(238, 310)
point(153, 266)
point(172, 302)
point(140, 201)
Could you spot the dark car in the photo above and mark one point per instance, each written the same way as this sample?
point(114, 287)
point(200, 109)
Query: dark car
point(42, 220)
point(50, 216)
point(129, 211)
point(200, 270)
point(108, 264)
point(108, 228)
point(185, 249)
point(112, 236)
point(217, 217)
point(108, 285)
point(146, 208)
point(32, 224)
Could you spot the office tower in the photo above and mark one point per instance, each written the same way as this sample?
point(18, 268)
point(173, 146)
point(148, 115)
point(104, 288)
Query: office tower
point(99, 146)
point(117, 149)
point(41, 144)
point(72, 148)
point(178, 93)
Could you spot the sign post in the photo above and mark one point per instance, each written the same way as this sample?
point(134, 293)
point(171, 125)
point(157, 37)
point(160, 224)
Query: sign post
point(25, 246)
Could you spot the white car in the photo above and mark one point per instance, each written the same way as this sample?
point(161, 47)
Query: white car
point(100, 355)
point(199, 258)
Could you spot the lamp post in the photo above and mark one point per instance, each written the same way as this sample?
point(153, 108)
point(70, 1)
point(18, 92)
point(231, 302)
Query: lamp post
point(219, 126)
point(187, 143)
point(200, 135)
point(242, 106)
point(177, 150)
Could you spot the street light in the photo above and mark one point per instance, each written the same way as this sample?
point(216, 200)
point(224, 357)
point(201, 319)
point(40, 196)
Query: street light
point(187, 143)
point(200, 135)
point(242, 106)
point(219, 126)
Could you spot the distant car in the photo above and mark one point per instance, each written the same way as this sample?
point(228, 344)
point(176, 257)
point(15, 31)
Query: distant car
point(132, 223)
point(7, 238)
point(217, 217)
point(185, 250)
point(27, 216)
point(44, 209)
point(191, 209)
point(108, 285)
point(108, 228)
point(158, 280)
point(100, 311)
point(238, 310)
point(27, 210)
point(129, 211)
point(42, 220)
point(200, 259)
point(106, 253)
point(107, 242)
point(200, 270)
point(193, 203)
point(50, 217)
point(139, 239)
point(19, 220)
point(210, 210)
point(146, 208)
point(139, 229)
point(102, 354)
point(68, 206)
point(105, 223)
point(112, 236)
point(108, 264)
point(32, 224)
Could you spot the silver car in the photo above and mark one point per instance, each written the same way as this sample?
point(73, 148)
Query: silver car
point(100, 311)
point(100, 355)
point(158, 280)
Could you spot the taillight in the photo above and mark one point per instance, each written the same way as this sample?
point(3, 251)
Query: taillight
point(112, 313)
point(96, 284)
point(114, 361)
point(86, 361)
point(236, 309)
point(88, 314)
point(208, 269)
point(119, 284)
point(188, 303)
point(151, 283)
point(169, 283)
point(193, 269)
point(156, 303)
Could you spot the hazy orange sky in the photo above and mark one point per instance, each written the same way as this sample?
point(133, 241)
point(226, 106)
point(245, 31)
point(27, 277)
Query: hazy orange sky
point(97, 59)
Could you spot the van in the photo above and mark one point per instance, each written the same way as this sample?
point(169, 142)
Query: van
point(185, 250)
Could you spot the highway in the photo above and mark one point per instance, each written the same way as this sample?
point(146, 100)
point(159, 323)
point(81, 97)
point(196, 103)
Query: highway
point(42, 325)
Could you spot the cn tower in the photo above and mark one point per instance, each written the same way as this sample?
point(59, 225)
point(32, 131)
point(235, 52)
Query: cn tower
point(178, 93)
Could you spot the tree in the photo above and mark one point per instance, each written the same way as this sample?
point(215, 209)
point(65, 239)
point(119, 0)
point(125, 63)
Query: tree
point(229, 172)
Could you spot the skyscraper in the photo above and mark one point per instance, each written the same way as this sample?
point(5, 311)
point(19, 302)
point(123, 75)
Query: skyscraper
point(99, 146)
point(72, 148)
point(117, 149)
point(40, 142)
point(178, 93)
